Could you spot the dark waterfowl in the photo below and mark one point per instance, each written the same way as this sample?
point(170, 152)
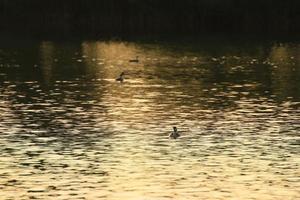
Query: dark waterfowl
point(136, 60)
point(174, 133)
point(121, 77)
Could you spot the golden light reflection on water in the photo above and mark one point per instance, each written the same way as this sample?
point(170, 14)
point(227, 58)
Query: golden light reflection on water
point(284, 65)
point(112, 57)
point(87, 136)
point(47, 50)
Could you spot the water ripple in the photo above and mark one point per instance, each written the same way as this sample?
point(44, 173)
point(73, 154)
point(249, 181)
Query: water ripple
point(69, 131)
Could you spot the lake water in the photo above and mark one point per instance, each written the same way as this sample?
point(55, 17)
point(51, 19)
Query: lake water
point(68, 130)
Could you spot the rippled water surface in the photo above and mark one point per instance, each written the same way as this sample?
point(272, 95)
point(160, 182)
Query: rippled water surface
point(68, 130)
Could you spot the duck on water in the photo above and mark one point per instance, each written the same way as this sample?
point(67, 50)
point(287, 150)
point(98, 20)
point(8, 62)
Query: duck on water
point(136, 60)
point(174, 134)
point(121, 77)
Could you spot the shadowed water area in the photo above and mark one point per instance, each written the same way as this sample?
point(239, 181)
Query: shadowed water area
point(68, 130)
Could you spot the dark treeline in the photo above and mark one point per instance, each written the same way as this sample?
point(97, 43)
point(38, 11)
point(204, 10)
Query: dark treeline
point(144, 17)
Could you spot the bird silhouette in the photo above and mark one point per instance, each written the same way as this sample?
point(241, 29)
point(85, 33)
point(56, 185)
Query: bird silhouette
point(121, 77)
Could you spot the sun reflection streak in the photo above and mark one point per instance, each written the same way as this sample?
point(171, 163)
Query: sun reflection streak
point(47, 59)
point(284, 66)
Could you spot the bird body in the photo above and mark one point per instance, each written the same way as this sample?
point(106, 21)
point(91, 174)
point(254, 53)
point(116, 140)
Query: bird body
point(174, 134)
point(121, 77)
point(136, 60)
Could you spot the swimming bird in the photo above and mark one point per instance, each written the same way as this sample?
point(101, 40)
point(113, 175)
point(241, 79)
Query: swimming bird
point(174, 134)
point(121, 78)
point(136, 60)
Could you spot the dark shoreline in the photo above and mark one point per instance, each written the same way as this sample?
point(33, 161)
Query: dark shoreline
point(96, 19)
